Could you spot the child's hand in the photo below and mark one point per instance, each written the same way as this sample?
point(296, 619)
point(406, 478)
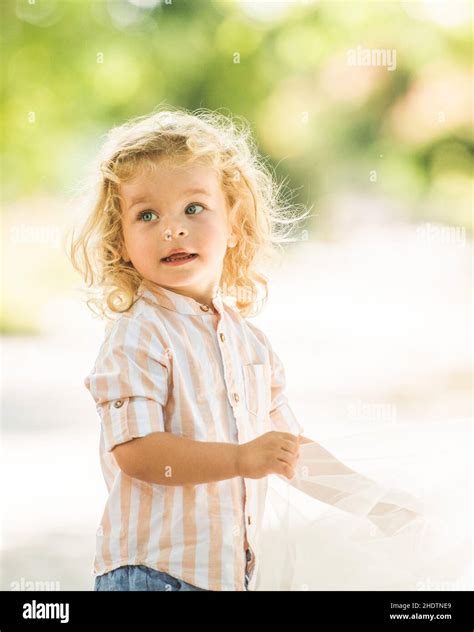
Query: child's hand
point(271, 453)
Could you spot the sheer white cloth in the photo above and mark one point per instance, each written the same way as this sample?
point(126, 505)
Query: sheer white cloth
point(380, 510)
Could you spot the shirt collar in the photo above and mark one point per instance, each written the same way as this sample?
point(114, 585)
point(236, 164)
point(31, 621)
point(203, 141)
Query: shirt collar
point(179, 302)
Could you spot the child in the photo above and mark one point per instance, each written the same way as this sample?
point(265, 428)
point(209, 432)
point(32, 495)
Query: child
point(190, 393)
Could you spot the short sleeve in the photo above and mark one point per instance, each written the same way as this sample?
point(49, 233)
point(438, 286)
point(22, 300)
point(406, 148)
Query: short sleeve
point(129, 383)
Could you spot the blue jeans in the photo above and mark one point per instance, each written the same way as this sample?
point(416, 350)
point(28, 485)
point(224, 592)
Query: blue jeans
point(139, 577)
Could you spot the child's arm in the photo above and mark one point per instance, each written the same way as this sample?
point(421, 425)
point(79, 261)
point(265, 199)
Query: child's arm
point(168, 459)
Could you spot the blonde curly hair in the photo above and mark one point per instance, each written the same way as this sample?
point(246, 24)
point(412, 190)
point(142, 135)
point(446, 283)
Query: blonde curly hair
point(260, 217)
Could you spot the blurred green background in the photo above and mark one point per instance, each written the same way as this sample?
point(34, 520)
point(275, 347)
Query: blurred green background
point(73, 68)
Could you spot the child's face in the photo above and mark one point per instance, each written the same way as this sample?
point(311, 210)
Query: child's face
point(170, 217)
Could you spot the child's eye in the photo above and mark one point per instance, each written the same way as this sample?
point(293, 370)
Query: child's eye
point(144, 214)
point(194, 206)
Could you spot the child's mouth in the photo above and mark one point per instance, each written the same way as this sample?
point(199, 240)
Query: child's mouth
point(179, 259)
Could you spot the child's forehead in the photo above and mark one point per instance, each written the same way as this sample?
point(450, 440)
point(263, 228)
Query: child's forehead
point(159, 175)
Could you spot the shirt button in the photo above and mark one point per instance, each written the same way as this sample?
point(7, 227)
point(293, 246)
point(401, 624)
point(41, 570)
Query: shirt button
point(249, 521)
point(236, 397)
point(204, 308)
point(222, 337)
point(118, 403)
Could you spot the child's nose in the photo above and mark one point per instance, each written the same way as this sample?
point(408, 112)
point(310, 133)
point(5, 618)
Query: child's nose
point(168, 233)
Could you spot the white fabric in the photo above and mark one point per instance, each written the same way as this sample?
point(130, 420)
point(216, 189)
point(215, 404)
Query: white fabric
point(386, 509)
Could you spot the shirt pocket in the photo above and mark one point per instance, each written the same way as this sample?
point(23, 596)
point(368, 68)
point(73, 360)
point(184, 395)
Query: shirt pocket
point(257, 388)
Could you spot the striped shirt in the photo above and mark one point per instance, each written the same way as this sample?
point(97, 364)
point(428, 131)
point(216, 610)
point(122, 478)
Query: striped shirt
point(171, 364)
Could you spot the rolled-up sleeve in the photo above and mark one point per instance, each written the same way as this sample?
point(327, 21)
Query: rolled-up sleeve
point(129, 383)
